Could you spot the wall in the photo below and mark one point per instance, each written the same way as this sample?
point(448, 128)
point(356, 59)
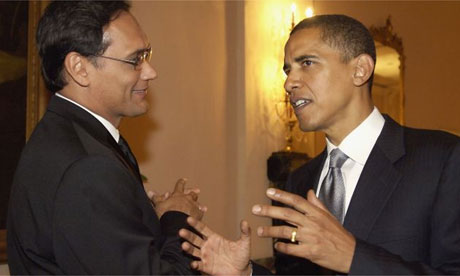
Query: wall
point(186, 133)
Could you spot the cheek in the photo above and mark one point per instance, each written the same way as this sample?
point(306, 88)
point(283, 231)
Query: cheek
point(131, 81)
point(123, 78)
point(329, 88)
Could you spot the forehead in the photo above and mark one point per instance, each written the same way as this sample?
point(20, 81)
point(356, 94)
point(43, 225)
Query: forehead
point(125, 33)
point(306, 42)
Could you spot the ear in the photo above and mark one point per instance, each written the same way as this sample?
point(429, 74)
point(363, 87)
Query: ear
point(75, 67)
point(363, 69)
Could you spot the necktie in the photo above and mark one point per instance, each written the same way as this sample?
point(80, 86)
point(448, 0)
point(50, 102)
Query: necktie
point(332, 192)
point(128, 153)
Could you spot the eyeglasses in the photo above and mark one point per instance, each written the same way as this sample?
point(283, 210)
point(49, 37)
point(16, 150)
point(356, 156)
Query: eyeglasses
point(145, 55)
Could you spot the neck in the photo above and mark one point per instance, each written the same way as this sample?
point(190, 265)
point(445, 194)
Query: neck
point(352, 120)
point(81, 97)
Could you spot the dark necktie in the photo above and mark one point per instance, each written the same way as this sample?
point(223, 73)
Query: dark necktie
point(128, 153)
point(332, 192)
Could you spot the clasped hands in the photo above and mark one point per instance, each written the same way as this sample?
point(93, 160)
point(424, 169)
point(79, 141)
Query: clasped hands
point(181, 199)
point(319, 235)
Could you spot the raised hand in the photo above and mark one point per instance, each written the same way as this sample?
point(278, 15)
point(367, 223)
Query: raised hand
point(320, 237)
point(181, 199)
point(218, 256)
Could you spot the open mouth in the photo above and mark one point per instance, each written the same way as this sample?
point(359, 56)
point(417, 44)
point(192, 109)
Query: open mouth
point(299, 103)
point(140, 90)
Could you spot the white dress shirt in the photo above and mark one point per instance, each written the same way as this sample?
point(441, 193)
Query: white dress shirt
point(110, 128)
point(357, 146)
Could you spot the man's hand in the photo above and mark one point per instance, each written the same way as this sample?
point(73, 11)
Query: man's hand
point(218, 256)
point(321, 237)
point(181, 199)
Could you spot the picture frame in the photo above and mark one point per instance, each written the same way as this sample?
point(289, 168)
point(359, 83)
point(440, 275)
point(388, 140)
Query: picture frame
point(36, 94)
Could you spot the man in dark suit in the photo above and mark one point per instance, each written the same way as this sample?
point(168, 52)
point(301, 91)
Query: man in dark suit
point(380, 199)
point(77, 204)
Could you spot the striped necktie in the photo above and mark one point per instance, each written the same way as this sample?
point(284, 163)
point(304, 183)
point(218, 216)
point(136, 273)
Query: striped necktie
point(332, 192)
point(128, 153)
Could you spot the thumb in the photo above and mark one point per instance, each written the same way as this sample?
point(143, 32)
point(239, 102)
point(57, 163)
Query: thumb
point(311, 197)
point(245, 231)
point(156, 198)
point(151, 194)
point(180, 185)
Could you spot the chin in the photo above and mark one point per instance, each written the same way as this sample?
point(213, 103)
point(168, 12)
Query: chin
point(138, 112)
point(142, 112)
point(307, 127)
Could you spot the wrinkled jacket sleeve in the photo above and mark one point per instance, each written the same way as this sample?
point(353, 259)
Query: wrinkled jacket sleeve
point(101, 227)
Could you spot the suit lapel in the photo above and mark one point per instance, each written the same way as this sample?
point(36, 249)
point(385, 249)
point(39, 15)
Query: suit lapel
point(377, 182)
point(306, 177)
point(92, 126)
point(317, 168)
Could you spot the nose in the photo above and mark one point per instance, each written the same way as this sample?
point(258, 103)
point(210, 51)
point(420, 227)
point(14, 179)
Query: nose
point(292, 83)
point(148, 72)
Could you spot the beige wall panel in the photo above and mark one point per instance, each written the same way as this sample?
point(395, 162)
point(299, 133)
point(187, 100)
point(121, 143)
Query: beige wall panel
point(185, 132)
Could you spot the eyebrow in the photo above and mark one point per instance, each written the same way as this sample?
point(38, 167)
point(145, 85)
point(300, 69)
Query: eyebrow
point(304, 57)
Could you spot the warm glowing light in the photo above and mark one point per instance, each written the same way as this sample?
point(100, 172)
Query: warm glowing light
point(293, 8)
point(309, 12)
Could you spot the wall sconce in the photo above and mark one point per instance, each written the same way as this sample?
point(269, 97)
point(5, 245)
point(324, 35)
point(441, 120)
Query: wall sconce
point(309, 12)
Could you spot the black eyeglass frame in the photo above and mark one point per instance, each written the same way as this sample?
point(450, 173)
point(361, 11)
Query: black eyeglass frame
point(138, 60)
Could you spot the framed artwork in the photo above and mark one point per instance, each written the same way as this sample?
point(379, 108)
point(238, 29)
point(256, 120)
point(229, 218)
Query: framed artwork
point(23, 96)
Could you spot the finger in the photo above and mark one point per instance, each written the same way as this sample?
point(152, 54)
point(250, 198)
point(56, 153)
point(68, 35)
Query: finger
point(190, 249)
point(299, 203)
point(159, 198)
point(203, 208)
point(197, 265)
point(154, 196)
point(193, 196)
point(282, 213)
point(150, 194)
point(191, 237)
point(195, 190)
point(199, 226)
point(289, 249)
point(311, 197)
point(245, 234)
point(281, 232)
point(180, 185)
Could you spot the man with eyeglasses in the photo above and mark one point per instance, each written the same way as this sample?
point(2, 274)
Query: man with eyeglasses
point(77, 204)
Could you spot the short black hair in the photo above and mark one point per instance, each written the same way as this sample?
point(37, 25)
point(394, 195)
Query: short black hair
point(72, 26)
point(342, 33)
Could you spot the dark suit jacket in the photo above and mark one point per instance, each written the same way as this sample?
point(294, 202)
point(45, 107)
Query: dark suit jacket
point(405, 211)
point(77, 207)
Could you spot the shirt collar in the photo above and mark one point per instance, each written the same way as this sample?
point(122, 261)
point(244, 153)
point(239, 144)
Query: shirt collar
point(110, 128)
point(358, 144)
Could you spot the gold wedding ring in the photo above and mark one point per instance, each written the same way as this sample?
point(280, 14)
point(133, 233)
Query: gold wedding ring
point(293, 236)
